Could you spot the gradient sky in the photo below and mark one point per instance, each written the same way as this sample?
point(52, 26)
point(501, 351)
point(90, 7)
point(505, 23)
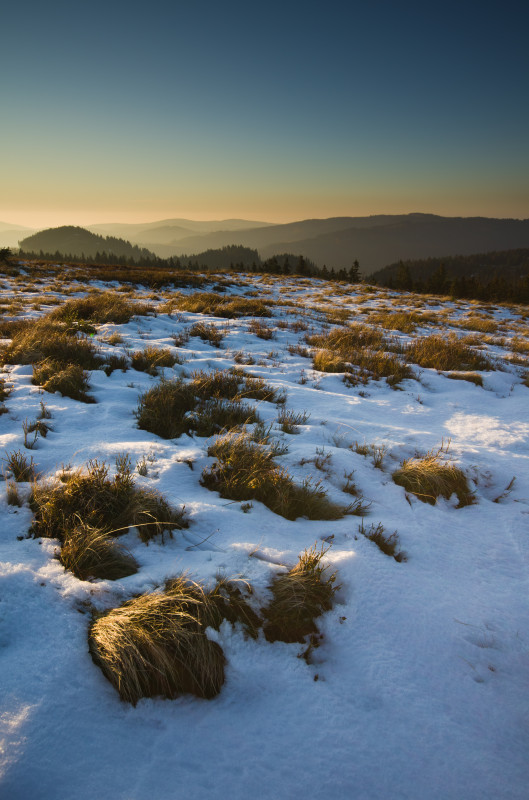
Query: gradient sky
point(128, 111)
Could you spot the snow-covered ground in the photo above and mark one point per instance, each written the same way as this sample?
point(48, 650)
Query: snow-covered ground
point(420, 688)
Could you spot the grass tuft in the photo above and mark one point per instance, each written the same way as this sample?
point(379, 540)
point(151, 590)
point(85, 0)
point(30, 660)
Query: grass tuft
point(298, 598)
point(446, 353)
point(220, 306)
point(208, 333)
point(70, 380)
point(245, 470)
point(208, 403)
point(386, 543)
point(110, 505)
point(19, 468)
point(471, 377)
point(156, 645)
point(103, 307)
point(152, 359)
point(89, 552)
point(431, 477)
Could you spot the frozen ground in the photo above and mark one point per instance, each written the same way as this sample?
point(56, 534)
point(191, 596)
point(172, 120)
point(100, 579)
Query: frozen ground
point(420, 688)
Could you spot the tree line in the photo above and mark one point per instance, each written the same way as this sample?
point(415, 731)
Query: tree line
point(495, 276)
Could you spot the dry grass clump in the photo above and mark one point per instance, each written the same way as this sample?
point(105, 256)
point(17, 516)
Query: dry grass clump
point(405, 321)
point(298, 598)
point(156, 645)
point(471, 377)
point(261, 330)
point(45, 339)
point(19, 468)
point(89, 552)
point(59, 355)
point(375, 365)
point(220, 306)
point(206, 404)
point(217, 414)
point(101, 308)
point(336, 316)
point(90, 499)
point(431, 477)
point(476, 323)
point(5, 389)
point(253, 388)
point(172, 408)
point(207, 332)
point(151, 359)
point(13, 495)
point(71, 380)
point(245, 470)
point(520, 344)
point(446, 353)
point(114, 339)
point(114, 361)
point(327, 361)
point(386, 543)
point(343, 340)
point(228, 601)
point(290, 420)
point(162, 409)
point(376, 451)
point(224, 384)
point(362, 347)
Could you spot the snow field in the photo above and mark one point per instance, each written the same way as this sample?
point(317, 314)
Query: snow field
point(420, 686)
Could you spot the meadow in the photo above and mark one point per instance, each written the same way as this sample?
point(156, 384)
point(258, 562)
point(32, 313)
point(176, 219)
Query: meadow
point(260, 535)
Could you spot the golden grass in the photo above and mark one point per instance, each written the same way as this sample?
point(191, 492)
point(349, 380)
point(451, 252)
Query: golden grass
point(352, 337)
point(405, 321)
point(111, 505)
point(208, 333)
point(209, 402)
point(100, 307)
point(151, 359)
point(446, 353)
point(89, 552)
point(299, 597)
point(476, 323)
point(245, 470)
point(261, 330)
point(19, 468)
point(471, 377)
point(431, 477)
point(71, 380)
point(220, 306)
point(362, 347)
point(45, 339)
point(156, 645)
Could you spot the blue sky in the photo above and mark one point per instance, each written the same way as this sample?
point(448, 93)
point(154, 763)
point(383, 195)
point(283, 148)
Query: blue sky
point(132, 111)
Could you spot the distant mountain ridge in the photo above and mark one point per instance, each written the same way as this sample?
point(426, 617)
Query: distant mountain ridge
point(76, 242)
point(374, 241)
point(337, 241)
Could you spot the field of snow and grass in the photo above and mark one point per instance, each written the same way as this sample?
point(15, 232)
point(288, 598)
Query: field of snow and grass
point(402, 456)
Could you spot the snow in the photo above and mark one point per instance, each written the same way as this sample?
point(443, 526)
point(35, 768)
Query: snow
point(420, 688)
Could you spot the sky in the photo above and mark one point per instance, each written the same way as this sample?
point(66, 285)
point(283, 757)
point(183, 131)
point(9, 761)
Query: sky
point(133, 112)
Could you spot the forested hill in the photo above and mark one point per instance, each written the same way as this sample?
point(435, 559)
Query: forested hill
point(73, 242)
point(498, 275)
point(223, 258)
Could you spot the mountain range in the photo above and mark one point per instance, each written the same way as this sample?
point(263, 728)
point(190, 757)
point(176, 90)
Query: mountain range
point(374, 241)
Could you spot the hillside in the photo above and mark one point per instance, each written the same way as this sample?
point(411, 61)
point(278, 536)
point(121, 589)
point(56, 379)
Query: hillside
point(11, 234)
point(490, 276)
point(75, 242)
point(375, 241)
point(157, 234)
point(261, 536)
